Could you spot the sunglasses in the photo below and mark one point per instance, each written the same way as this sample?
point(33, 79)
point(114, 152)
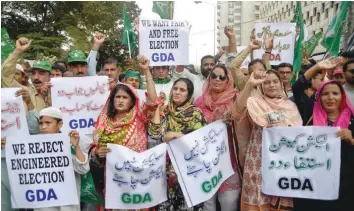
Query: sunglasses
point(221, 77)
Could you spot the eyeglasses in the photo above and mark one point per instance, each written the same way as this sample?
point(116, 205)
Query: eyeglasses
point(221, 77)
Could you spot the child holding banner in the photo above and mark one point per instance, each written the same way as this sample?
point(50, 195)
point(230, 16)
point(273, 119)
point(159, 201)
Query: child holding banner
point(50, 121)
point(270, 107)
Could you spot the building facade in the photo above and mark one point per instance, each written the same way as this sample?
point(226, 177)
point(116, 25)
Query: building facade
point(240, 15)
point(317, 15)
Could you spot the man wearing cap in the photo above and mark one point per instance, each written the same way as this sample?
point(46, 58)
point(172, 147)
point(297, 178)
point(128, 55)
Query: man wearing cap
point(133, 78)
point(77, 63)
point(39, 73)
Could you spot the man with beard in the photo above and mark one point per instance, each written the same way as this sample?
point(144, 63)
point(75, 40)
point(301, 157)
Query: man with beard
point(348, 69)
point(39, 74)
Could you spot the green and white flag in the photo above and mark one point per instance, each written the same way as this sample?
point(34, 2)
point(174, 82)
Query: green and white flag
point(298, 54)
point(312, 43)
point(331, 39)
point(7, 46)
point(129, 36)
point(164, 9)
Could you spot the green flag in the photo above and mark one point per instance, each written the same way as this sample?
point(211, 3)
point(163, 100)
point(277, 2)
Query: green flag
point(7, 46)
point(163, 8)
point(312, 43)
point(129, 36)
point(331, 39)
point(298, 54)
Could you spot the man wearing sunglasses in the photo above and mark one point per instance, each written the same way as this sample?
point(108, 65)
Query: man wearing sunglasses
point(348, 69)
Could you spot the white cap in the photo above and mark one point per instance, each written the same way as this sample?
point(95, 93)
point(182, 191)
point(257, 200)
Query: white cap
point(20, 68)
point(52, 112)
point(244, 66)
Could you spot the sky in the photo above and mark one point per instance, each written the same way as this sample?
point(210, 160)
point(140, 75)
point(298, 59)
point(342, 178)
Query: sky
point(200, 16)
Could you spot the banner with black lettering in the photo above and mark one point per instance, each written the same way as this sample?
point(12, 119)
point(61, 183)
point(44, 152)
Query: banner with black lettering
point(284, 41)
point(81, 99)
point(164, 42)
point(135, 180)
point(40, 171)
point(202, 162)
point(301, 162)
point(13, 115)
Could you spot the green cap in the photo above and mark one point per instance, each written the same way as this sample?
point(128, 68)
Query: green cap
point(42, 65)
point(132, 73)
point(76, 56)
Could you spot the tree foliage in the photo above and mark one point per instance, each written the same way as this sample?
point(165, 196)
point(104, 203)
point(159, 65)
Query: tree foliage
point(57, 27)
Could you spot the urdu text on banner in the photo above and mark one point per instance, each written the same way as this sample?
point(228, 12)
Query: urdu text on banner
point(201, 160)
point(301, 162)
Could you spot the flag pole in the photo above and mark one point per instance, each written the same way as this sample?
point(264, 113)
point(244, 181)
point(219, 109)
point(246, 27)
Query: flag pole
point(171, 10)
point(130, 53)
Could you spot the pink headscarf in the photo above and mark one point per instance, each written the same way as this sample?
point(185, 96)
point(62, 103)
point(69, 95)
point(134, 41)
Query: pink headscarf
point(214, 109)
point(320, 117)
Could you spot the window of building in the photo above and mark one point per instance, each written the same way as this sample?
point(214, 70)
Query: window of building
point(305, 3)
point(304, 21)
point(314, 11)
point(311, 20)
point(287, 7)
point(326, 13)
point(323, 7)
point(318, 17)
point(321, 29)
point(336, 7)
point(307, 15)
point(332, 3)
point(314, 32)
point(292, 4)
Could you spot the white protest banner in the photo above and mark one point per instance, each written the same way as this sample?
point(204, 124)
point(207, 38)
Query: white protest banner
point(164, 42)
point(142, 95)
point(284, 41)
point(248, 58)
point(135, 180)
point(202, 162)
point(301, 162)
point(40, 171)
point(81, 100)
point(13, 115)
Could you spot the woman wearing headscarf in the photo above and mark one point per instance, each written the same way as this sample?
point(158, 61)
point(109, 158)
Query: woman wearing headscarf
point(217, 99)
point(179, 118)
point(122, 121)
point(271, 107)
point(333, 108)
